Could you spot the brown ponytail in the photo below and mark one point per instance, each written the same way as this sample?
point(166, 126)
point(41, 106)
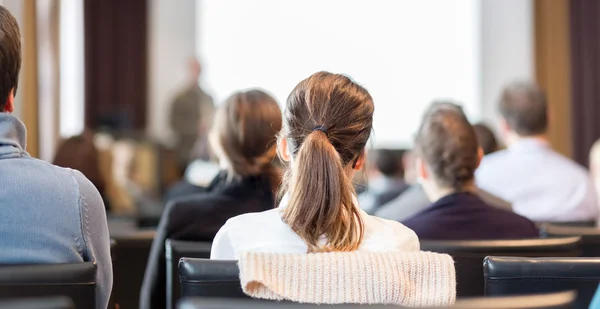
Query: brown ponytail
point(327, 123)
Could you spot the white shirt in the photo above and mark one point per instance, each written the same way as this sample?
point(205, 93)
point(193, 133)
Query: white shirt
point(266, 232)
point(541, 184)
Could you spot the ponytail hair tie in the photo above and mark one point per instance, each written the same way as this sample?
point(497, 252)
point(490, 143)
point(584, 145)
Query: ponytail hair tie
point(320, 128)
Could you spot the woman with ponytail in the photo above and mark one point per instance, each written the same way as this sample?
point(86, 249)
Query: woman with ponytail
point(243, 138)
point(326, 126)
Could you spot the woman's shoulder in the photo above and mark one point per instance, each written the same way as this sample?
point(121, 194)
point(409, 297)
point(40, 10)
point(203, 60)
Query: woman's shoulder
point(248, 221)
point(397, 234)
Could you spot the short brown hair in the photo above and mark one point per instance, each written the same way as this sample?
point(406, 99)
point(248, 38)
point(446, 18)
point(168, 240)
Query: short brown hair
point(10, 55)
point(486, 138)
point(327, 122)
point(523, 105)
point(447, 143)
point(245, 130)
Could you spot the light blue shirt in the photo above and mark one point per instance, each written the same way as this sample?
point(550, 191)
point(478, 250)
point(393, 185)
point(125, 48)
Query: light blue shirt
point(49, 214)
point(541, 184)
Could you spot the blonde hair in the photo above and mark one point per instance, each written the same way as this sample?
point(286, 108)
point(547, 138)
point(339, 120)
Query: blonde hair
point(327, 123)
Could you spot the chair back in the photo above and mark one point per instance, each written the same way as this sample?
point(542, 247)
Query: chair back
point(469, 254)
point(590, 236)
point(130, 257)
point(174, 251)
point(58, 302)
point(520, 275)
point(547, 301)
point(210, 278)
point(76, 281)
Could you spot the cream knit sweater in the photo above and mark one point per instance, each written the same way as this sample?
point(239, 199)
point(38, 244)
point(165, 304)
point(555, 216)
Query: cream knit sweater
point(415, 279)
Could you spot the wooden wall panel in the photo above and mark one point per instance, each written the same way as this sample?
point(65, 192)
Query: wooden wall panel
point(553, 68)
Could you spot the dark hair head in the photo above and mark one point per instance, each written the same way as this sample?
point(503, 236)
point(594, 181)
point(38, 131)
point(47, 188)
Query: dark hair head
point(486, 138)
point(389, 162)
point(327, 123)
point(523, 105)
point(245, 131)
point(447, 143)
point(10, 55)
point(80, 153)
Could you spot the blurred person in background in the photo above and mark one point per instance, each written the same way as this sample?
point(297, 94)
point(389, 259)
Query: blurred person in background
point(414, 199)
point(80, 153)
point(542, 184)
point(385, 179)
point(243, 138)
point(49, 214)
point(486, 138)
point(192, 111)
point(447, 156)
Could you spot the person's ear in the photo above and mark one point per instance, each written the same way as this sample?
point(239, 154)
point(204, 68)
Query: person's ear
point(422, 172)
point(480, 155)
point(360, 161)
point(282, 149)
point(9, 105)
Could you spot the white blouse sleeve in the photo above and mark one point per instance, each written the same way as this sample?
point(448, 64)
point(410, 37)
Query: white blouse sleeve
point(222, 249)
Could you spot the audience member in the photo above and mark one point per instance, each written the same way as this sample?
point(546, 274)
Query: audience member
point(80, 153)
point(486, 138)
point(541, 184)
point(243, 137)
point(385, 179)
point(448, 154)
point(49, 214)
point(191, 114)
point(327, 123)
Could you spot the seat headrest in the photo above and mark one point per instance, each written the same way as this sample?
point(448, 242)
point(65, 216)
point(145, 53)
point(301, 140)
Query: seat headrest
point(547, 267)
point(204, 270)
point(490, 246)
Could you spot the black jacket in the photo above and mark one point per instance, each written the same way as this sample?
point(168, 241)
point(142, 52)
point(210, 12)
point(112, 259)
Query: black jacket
point(199, 217)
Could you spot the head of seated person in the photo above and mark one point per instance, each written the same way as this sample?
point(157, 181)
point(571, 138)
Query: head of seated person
point(486, 138)
point(327, 122)
point(243, 137)
point(447, 151)
point(524, 112)
point(447, 156)
point(79, 153)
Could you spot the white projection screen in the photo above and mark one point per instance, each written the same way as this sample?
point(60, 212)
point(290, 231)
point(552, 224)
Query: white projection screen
point(405, 52)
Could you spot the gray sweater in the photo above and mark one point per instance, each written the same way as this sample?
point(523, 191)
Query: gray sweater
point(49, 214)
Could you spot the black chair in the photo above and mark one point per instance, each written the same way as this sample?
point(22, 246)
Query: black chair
point(590, 237)
point(174, 251)
point(519, 275)
point(547, 301)
point(76, 281)
point(468, 256)
point(210, 278)
point(59, 302)
point(130, 257)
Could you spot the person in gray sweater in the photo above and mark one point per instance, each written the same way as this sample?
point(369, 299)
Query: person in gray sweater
point(48, 214)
